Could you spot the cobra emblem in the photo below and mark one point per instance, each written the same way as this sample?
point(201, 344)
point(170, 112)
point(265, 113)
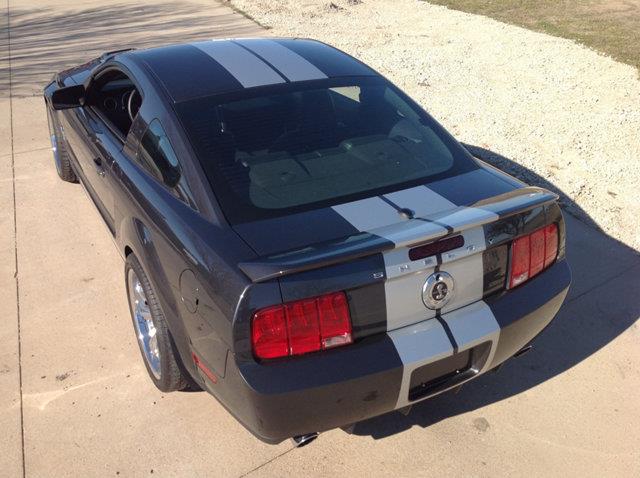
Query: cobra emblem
point(438, 290)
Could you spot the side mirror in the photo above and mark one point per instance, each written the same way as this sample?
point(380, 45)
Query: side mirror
point(68, 97)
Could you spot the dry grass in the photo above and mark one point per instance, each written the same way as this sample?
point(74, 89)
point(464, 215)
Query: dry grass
point(609, 26)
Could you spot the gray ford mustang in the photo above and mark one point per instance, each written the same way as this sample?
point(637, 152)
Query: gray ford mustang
point(300, 238)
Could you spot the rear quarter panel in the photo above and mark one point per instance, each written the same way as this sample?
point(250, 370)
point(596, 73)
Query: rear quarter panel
point(169, 238)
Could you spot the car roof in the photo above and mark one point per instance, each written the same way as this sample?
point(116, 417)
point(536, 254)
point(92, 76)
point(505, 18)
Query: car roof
point(206, 68)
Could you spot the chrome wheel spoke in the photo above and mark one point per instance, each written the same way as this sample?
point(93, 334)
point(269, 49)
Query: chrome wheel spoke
point(139, 292)
point(146, 330)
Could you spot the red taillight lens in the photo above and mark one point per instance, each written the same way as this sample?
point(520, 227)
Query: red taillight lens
point(537, 252)
point(269, 333)
point(533, 253)
point(335, 324)
point(520, 261)
point(302, 326)
point(551, 244)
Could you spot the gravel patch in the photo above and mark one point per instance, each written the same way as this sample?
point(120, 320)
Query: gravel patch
point(565, 116)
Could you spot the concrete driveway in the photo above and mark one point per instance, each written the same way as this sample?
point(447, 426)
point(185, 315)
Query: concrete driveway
point(74, 396)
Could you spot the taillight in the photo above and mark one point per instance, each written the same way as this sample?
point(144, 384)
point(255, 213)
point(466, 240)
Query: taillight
point(533, 253)
point(269, 333)
point(551, 244)
point(520, 261)
point(537, 241)
point(301, 327)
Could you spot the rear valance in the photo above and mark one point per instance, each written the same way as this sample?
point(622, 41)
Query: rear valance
point(407, 233)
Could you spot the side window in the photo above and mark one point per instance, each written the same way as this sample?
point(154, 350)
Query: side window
point(156, 155)
point(116, 98)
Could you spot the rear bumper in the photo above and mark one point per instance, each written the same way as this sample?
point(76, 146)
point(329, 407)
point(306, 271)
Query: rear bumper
point(379, 374)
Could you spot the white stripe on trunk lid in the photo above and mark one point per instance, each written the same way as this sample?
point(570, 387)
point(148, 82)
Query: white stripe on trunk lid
point(421, 200)
point(405, 278)
point(368, 214)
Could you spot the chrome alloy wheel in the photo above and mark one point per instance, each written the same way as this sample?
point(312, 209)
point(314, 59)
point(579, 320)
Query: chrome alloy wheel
point(144, 324)
point(54, 143)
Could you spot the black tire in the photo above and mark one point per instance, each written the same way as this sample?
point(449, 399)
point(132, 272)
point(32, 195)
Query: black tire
point(171, 376)
point(60, 152)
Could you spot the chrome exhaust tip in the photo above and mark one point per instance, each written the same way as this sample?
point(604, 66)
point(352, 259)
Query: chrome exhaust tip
point(303, 440)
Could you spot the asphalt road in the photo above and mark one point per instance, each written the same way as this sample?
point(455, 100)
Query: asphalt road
point(74, 396)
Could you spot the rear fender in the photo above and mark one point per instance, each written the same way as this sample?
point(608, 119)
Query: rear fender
point(136, 238)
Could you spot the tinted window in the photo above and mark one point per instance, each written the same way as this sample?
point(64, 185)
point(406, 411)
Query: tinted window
point(116, 98)
point(288, 149)
point(157, 156)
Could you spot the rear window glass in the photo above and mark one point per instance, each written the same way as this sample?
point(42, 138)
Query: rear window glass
point(285, 150)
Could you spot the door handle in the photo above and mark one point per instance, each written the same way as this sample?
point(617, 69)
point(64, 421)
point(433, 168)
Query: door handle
point(99, 168)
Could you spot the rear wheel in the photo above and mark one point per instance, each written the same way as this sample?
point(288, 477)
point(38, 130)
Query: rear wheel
point(60, 153)
point(155, 342)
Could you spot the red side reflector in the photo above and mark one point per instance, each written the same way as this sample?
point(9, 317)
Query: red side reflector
point(302, 326)
point(210, 375)
point(551, 244)
point(519, 261)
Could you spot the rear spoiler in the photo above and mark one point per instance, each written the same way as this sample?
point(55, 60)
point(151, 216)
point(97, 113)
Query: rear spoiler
point(407, 233)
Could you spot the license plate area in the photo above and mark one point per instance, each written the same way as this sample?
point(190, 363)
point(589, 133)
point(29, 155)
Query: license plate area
point(448, 372)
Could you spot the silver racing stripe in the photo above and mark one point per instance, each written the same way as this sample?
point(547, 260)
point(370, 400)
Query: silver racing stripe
point(405, 278)
point(434, 214)
point(411, 232)
point(286, 61)
point(245, 67)
point(418, 340)
point(466, 217)
point(474, 325)
point(421, 200)
point(466, 266)
point(418, 345)
point(426, 342)
point(368, 214)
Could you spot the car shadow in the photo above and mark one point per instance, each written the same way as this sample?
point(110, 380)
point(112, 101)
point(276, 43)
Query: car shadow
point(589, 320)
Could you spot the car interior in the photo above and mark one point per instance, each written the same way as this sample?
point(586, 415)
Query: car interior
point(115, 97)
point(307, 146)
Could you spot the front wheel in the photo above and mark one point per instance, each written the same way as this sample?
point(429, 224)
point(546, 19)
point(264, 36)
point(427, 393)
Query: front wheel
point(155, 342)
point(60, 153)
